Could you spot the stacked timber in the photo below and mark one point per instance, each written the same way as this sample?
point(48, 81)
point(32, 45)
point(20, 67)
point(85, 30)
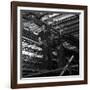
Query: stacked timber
point(66, 25)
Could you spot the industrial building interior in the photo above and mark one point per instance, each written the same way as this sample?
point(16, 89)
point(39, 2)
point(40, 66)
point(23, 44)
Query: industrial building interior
point(49, 43)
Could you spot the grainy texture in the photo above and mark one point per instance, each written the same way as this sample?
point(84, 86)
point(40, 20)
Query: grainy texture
point(49, 40)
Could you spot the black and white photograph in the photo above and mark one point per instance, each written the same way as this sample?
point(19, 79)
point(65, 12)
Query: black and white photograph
point(49, 43)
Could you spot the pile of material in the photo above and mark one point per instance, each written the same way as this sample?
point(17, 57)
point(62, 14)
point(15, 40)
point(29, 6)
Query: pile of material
point(50, 44)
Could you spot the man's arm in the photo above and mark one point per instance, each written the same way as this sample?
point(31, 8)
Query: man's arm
point(39, 39)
